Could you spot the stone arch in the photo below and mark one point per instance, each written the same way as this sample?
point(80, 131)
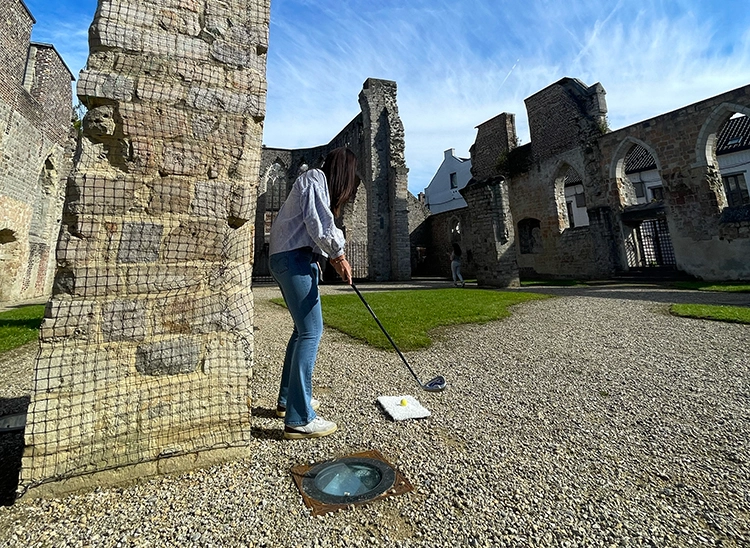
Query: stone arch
point(569, 205)
point(705, 148)
point(626, 191)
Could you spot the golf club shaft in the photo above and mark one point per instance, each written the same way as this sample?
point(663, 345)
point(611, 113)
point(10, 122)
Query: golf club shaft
point(387, 335)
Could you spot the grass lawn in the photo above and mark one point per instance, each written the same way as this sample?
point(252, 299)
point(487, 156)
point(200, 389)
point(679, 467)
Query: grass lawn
point(409, 315)
point(734, 314)
point(738, 287)
point(20, 326)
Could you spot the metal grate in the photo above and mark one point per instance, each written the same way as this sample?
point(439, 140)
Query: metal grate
point(650, 246)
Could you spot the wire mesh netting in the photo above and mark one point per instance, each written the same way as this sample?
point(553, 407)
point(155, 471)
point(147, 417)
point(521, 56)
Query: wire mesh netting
point(146, 346)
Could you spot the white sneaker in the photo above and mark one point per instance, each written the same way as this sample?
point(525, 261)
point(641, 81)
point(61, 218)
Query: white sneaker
point(281, 410)
point(318, 428)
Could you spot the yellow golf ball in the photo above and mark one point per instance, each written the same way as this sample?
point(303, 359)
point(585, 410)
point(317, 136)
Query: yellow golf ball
point(404, 403)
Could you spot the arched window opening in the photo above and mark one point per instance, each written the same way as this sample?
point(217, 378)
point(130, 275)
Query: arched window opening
point(641, 179)
point(530, 236)
point(571, 198)
point(733, 158)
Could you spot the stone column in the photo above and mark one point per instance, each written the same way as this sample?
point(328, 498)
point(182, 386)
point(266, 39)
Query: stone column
point(146, 351)
point(492, 234)
point(384, 166)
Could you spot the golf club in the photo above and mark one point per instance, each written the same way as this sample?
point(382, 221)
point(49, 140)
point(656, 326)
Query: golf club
point(433, 385)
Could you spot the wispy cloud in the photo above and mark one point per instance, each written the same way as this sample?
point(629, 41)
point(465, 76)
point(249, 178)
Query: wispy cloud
point(460, 62)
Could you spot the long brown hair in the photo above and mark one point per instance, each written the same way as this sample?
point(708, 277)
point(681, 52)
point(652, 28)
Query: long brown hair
point(340, 169)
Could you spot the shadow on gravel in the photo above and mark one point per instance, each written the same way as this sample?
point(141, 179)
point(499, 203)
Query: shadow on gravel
point(268, 433)
point(645, 292)
point(264, 412)
point(11, 450)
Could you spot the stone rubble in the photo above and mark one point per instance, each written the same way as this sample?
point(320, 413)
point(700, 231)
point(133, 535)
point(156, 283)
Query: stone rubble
point(594, 419)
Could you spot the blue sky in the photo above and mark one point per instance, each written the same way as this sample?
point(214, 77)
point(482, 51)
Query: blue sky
point(460, 62)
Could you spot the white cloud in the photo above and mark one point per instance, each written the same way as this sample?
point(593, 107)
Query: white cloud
point(452, 60)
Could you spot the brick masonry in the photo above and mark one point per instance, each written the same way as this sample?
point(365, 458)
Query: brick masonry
point(147, 347)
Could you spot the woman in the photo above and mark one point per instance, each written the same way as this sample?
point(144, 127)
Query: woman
point(303, 231)
point(456, 265)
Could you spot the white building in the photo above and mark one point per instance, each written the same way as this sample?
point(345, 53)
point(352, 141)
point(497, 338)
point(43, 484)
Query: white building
point(442, 194)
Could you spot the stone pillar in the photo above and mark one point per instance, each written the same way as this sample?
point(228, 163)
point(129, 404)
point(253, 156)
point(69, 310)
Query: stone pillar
point(146, 351)
point(384, 166)
point(492, 234)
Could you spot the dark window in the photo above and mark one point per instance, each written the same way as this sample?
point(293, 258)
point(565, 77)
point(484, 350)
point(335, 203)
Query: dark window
point(580, 200)
point(735, 188)
point(640, 190)
point(454, 181)
point(657, 193)
point(530, 236)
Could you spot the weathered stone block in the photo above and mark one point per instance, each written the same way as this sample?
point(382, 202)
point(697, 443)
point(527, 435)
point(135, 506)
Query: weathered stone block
point(139, 243)
point(105, 85)
point(151, 122)
point(242, 204)
point(157, 91)
point(124, 321)
point(211, 199)
point(183, 159)
point(205, 75)
point(159, 42)
point(203, 125)
point(99, 121)
point(111, 34)
point(188, 313)
point(195, 241)
point(247, 80)
point(191, 48)
point(172, 357)
point(66, 318)
point(169, 195)
point(233, 54)
point(100, 194)
point(182, 22)
point(86, 282)
point(140, 279)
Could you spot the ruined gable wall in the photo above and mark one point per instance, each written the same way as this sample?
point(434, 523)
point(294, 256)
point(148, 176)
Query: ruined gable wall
point(35, 142)
point(146, 355)
point(566, 119)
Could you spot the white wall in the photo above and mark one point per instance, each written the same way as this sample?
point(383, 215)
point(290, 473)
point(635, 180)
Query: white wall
point(439, 196)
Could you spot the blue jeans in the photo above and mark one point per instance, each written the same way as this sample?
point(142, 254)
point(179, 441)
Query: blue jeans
point(297, 275)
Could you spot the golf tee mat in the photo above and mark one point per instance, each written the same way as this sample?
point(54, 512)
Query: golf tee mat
point(393, 406)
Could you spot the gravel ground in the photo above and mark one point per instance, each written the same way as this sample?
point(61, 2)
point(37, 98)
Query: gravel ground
point(595, 419)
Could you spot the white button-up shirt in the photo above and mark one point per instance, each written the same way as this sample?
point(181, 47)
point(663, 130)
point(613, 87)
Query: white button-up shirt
point(306, 220)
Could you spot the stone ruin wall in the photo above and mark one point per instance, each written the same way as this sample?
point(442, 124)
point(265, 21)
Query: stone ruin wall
point(146, 349)
point(566, 121)
point(490, 234)
point(35, 155)
point(378, 219)
point(711, 241)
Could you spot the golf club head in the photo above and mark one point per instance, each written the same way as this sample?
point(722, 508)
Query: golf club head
point(435, 385)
